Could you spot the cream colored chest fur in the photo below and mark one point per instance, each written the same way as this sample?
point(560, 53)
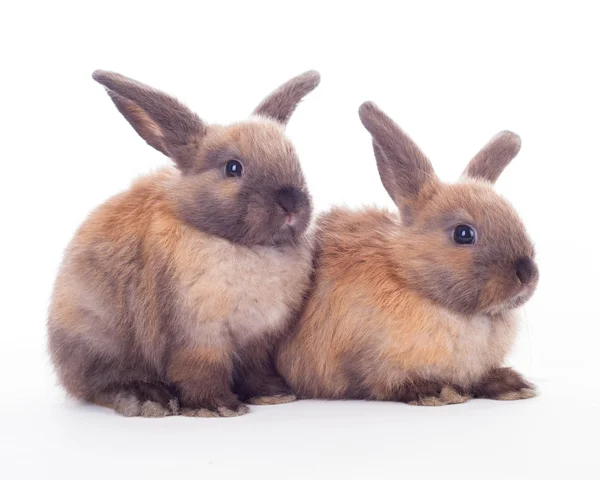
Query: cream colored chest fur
point(467, 346)
point(234, 294)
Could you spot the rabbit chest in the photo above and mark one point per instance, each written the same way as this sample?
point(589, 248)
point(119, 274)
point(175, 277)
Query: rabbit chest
point(229, 293)
point(454, 348)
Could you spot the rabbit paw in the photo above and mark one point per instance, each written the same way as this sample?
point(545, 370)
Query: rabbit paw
point(272, 399)
point(447, 396)
point(216, 407)
point(504, 384)
point(267, 390)
point(140, 399)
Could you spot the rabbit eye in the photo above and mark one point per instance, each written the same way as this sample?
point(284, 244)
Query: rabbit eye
point(234, 168)
point(464, 235)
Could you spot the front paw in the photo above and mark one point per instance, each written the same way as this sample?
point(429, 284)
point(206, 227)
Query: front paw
point(215, 407)
point(430, 393)
point(267, 391)
point(277, 399)
point(447, 396)
point(504, 384)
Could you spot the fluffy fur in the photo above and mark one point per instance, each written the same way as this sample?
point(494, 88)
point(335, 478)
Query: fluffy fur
point(171, 294)
point(400, 311)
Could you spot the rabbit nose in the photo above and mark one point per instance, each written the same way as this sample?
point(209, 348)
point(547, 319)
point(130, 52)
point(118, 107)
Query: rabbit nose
point(289, 198)
point(526, 270)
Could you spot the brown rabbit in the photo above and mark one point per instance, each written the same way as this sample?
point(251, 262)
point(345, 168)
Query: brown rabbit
point(417, 307)
point(172, 293)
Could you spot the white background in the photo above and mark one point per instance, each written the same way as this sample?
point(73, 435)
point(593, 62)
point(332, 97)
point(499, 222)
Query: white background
point(452, 74)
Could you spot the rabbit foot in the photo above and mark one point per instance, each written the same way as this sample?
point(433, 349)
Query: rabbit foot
point(215, 413)
point(139, 399)
point(447, 396)
point(217, 407)
point(504, 384)
point(266, 390)
point(431, 393)
point(272, 399)
point(520, 394)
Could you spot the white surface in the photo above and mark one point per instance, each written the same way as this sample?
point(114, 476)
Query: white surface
point(547, 437)
point(452, 74)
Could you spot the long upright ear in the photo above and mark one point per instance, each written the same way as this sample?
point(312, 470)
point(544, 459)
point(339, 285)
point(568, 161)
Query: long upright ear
point(280, 104)
point(161, 120)
point(492, 159)
point(403, 168)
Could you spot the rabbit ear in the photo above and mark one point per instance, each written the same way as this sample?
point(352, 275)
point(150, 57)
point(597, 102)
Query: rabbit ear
point(403, 168)
point(161, 120)
point(280, 104)
point(492, 159)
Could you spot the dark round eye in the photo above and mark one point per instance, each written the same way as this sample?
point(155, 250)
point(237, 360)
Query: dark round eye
point(464, 235)
point(234, 168)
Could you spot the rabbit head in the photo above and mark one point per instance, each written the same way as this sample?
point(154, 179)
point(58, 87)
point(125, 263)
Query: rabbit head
point(242, 182)
point(461, 245)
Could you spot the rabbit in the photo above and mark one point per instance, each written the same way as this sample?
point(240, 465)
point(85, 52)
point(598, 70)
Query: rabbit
point(420, 305)
point(171, 294)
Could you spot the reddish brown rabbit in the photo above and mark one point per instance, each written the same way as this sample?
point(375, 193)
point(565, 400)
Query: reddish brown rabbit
point(172, 293)
point(416, 306)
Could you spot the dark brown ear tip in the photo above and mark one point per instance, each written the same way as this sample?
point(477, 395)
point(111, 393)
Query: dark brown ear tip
point(310, 79)
point(512, 138)
point(367, 107)
point(103, 76)
point(312, 75)
point(366, 111)
point(99, 74)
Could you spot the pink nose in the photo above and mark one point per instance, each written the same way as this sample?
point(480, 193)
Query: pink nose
point(289, 198)
point(291, 219)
